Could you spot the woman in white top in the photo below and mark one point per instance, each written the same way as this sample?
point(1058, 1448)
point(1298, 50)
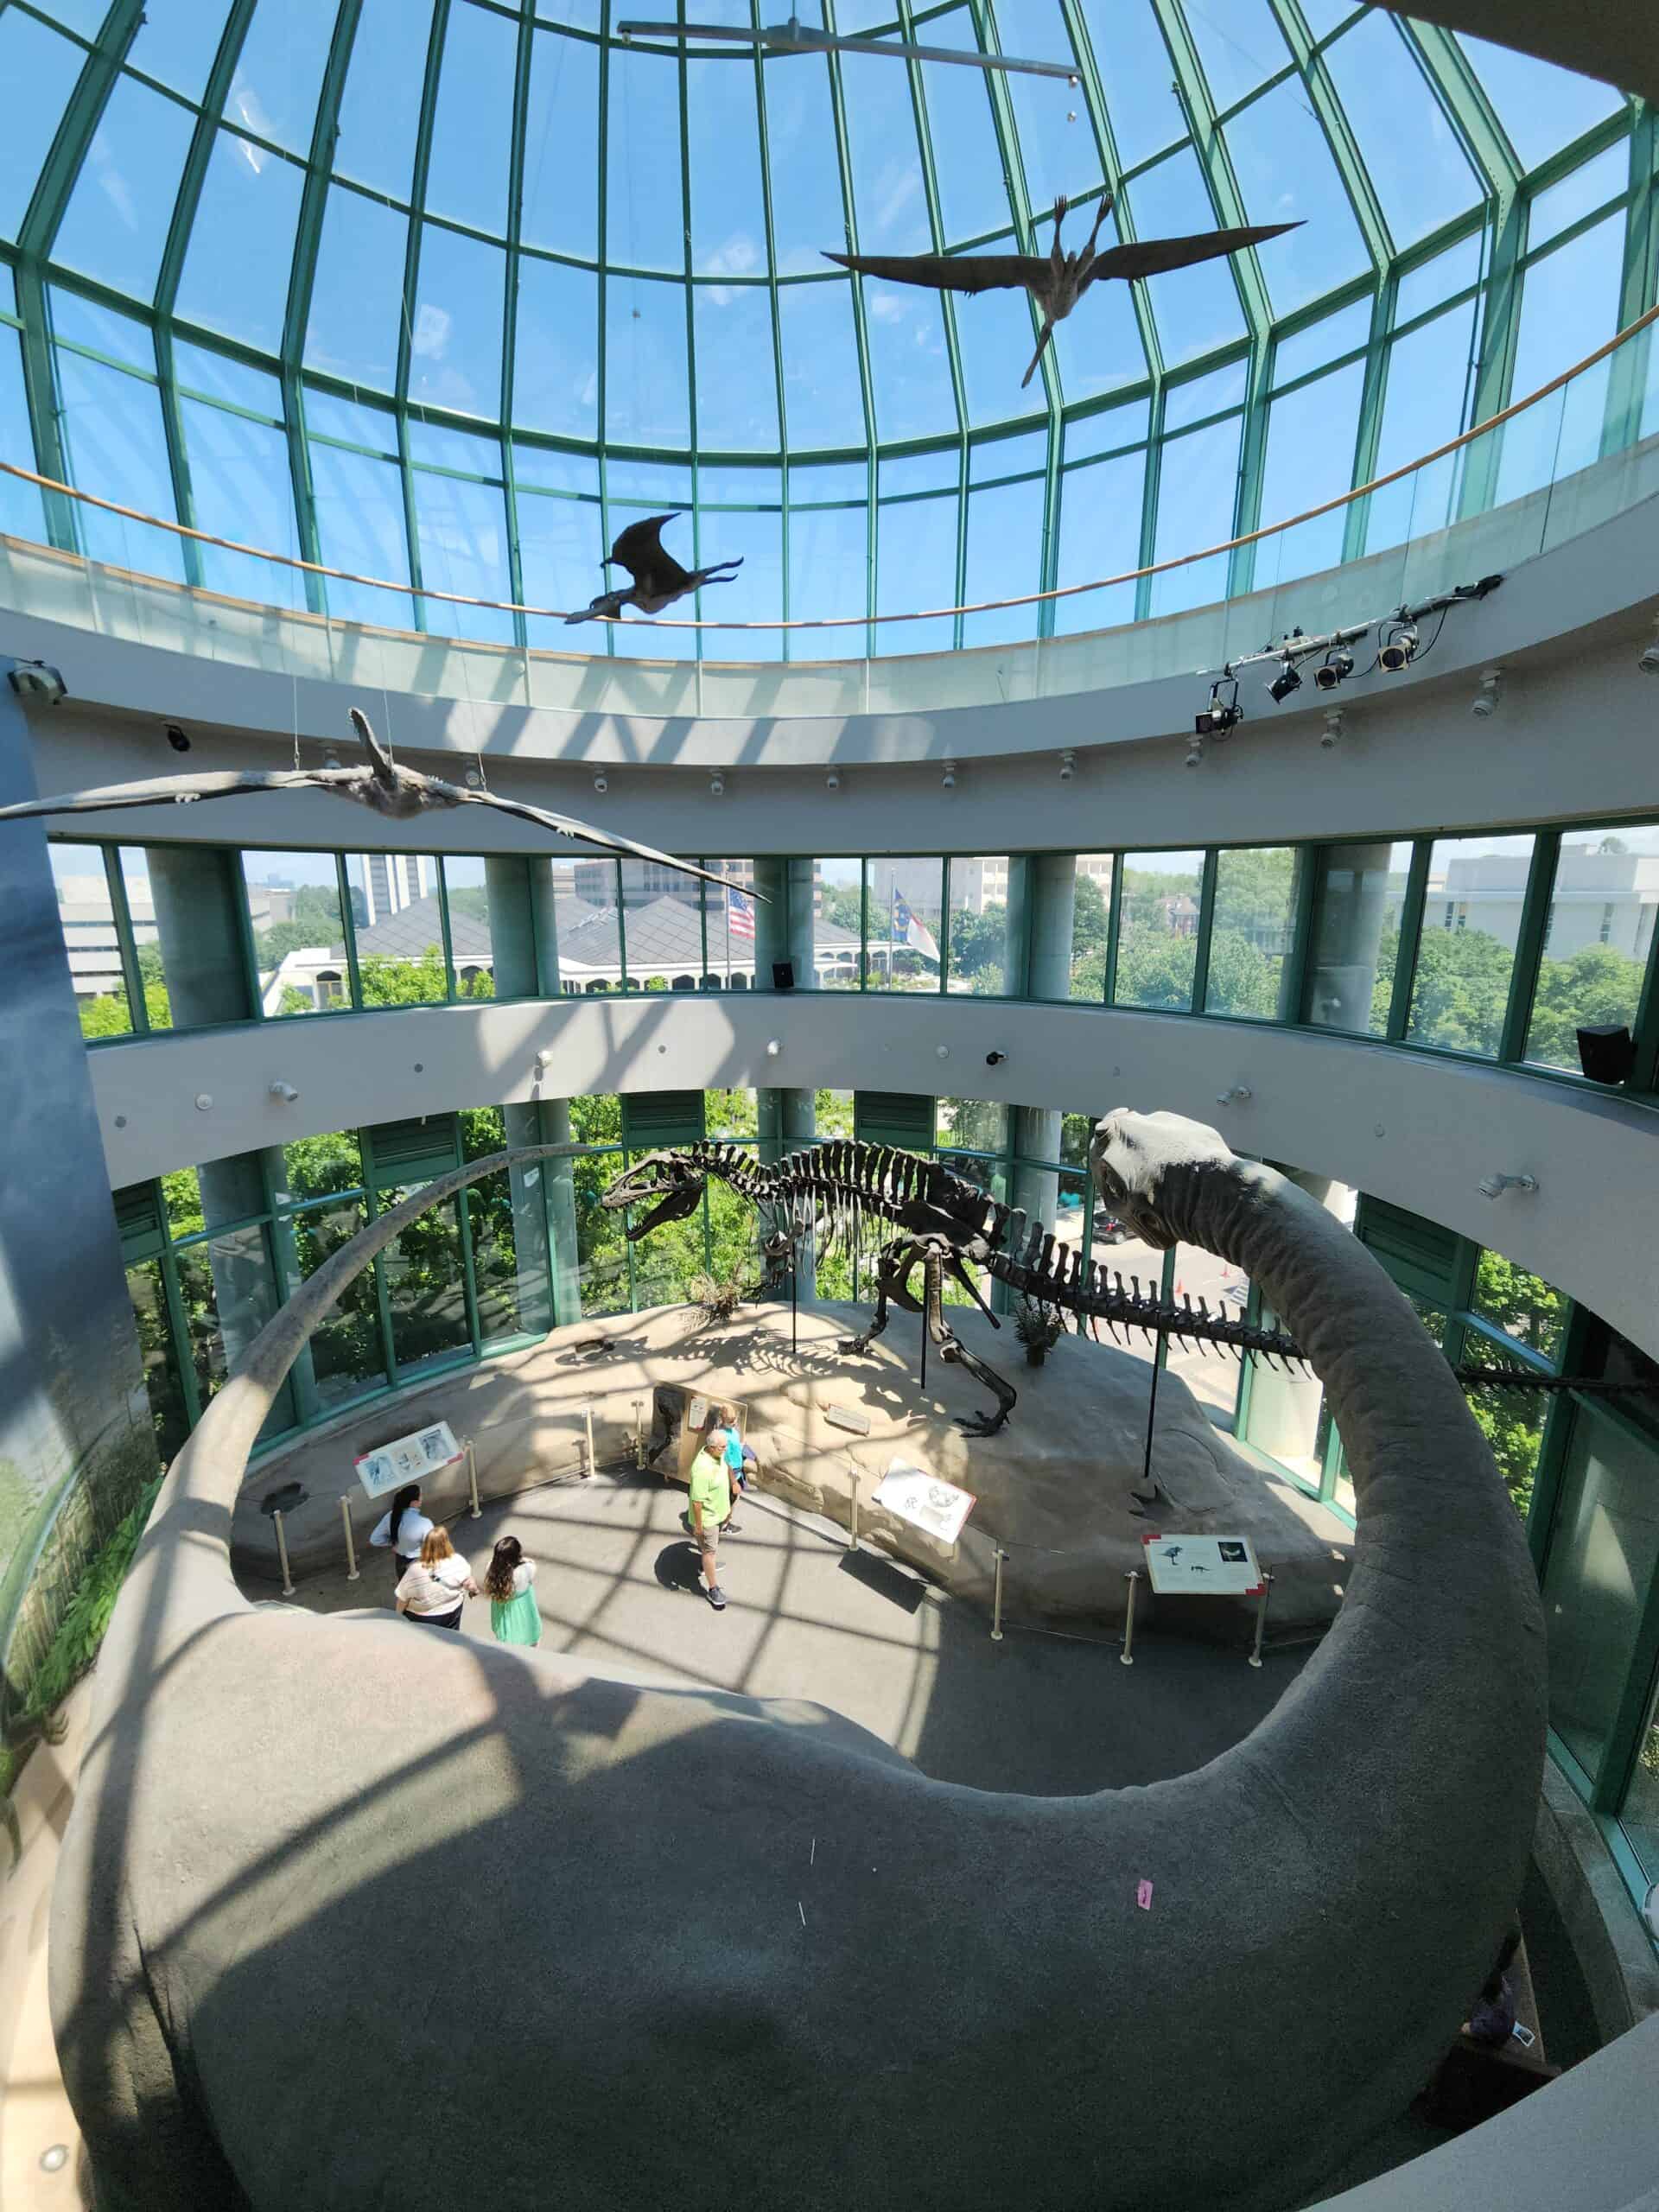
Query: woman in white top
point(404, 1528)
point(437, 1585)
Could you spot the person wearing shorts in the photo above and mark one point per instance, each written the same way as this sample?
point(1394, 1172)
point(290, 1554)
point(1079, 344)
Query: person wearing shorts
point(710, 1510)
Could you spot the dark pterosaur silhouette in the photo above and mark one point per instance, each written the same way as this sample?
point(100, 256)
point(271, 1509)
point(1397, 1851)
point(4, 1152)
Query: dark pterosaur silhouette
point(1056, 281)
point(398, 793)
point(659, 579)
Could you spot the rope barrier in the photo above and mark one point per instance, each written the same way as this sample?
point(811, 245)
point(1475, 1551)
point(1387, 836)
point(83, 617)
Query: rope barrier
point(843, 621)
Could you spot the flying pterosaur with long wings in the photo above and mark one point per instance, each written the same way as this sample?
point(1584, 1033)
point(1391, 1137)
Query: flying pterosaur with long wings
point(659, 579)
point(399, 794)
point(1057, 281)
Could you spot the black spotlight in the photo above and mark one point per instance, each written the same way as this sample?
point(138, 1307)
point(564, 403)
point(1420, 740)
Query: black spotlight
point(1399, 651)
point(1220, 715)
point(1608, 1052)
point(1287, 680)
point(1336, 668)
point(995, 1059)
point(176, 738)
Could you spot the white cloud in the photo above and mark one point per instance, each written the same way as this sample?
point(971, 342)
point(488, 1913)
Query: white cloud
point(430, 336)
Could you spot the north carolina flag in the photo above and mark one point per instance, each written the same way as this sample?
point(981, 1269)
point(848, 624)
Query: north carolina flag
point(740, 914)
point(907, 930)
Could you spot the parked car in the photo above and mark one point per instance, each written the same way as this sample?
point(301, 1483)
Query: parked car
point(1109, 1229)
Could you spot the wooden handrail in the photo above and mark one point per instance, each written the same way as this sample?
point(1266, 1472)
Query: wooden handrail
point(858, 621)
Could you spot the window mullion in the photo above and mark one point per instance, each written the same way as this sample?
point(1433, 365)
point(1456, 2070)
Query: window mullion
point(1411, 929)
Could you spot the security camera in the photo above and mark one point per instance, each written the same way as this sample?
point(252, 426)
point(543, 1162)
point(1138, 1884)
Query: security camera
point(601, 785)
point(948, 778)
point(1484, 702)
point(36, 679)
point(832, 781)
point(995, 1059)
point(176, 738)
point(716, 786)
point(1068, 766)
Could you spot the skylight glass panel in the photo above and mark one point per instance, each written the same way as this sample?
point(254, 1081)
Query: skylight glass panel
point(1540, 107)
point(1239, 45)
point(455, 342)
point(560, 548)
point(1417, 168)
point(824, 399)
point(1189, 402)
point(279, 70)
point(80, 321)
point(212, 375)
point(808, 214)
point(966, 159)
point(556, 350)
point(650, 484)
point(1198, 484)
point(176, 42)
point(1442, 278)
point(20, 512)
point(1286, 172)
point(116, 224)
point(1100, 536)
point(755, 593)
point(829, 561)
point(1107, 431)
point(901, 473)
point(889, 200)
point(644, 218)
point(435, 445)
point(1579, 193)
point(359, 504)
point(461, 531)
point(648, 391)
point(352, 422)
point(240, 487)
point(1195, 309)
point(910, 367)
point(561, 207)
point(916, 567)
point(49, 65)
point(995, 338)
point(472, 126)
point(1325, 16)
point(992, 459)
point(736, 376)
point(1004, 559)
point(1055, 156)
point(380, 106)
point(1569, 303)
point(1323, 341)
point(1137, 77)
point(728, 233)
point(1427, 379)
point(111, 424)
point(86, 17)
point(241, 249)
point(1310, 459)
point(357, 294)
point(1099, 347)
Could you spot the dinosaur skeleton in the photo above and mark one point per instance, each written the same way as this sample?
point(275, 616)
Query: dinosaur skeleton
point(842, 1194)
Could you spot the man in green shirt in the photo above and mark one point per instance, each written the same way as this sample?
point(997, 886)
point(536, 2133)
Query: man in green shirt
point(711, 1508)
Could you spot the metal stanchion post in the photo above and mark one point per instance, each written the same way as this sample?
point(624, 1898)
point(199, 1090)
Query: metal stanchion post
point(999, 1555)
point(351, 1548)
point(638, 1437)
point(588, 1469)
point(1261, 1618)
point(1125, 1656)
point(852, 1516)
point(281, 1554)
point(472, 1480)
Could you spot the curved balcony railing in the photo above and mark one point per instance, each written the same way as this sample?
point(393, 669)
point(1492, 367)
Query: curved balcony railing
point(1582, 449)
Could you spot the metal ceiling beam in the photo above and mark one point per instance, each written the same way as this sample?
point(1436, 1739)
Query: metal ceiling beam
point(777, 342)
point(411, 292)
point(860, 326)
point(510, 317)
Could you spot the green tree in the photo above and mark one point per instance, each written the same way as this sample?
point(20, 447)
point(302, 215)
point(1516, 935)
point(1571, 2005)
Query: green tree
point(406, 983)
point(1090, 927)
point(1594, 987)
point(979, 948)
point(841, 904)
point(1460, 991)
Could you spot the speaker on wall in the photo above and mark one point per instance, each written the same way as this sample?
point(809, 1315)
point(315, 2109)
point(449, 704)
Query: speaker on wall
point(1608, 1052)
point(783, 975)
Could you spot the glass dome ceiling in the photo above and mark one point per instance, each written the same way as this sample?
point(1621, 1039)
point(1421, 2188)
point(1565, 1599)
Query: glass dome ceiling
point(448, 291)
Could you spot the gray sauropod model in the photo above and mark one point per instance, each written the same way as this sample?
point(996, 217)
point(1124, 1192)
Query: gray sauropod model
point(303, 1843)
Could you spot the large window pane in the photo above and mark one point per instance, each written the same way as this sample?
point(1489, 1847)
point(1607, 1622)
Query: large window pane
point(561, 146)
point(1569, 303)
point(647, 389)
point(472, 936)
point(1603, 1556)
point(299, 939)
point(601, 1247)
point(556, 376)
point(1541, 108)
point(1158, 934)
point(462, 528)
point(141, 911)
point(87, 919)
point(1421, 173)
point(1210, 1371)
point(665, 1262)
point(905, 902)
point(228, 1294)
point(1512, 1422)
point(314, 1166)
point(236, 270)
point(1100, 536)
point(472, 129)
point(1091, 901)
point(1198, 485)
point(1597, 939)
point(358, 503)
point(112, 428)
point(837, 908)
point(347, 1359)
point(1287, 173)
point(1196, 309)
point(970, 1125)
point(241, 487)
point(643, 204)
point(1005, 542)
point(1523, 1305)
point(1640, 1815)
point(1311, 435)
point(455, 341)
point(279, 70)
point(163, 1383)
point(114, 225)
point(1357, 936)
point(399, 928)
point(357, 294)
point(30, 54)
point(979, 925)
point(588, 920)
point(380, 108)
point(426, 1287)
point(1470, 921)
point(916, 567)
point(737, 386)
point(1250, 936)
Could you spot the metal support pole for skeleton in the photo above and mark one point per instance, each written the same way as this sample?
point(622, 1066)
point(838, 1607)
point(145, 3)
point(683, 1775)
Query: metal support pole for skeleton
point(472, 1480)
point(281, 1554)
point(351, 1548)
point(852, 1512)
point(587, 1467)
point(1260, 1618)
point(1125, 1656)
point(1152, 1410)
point(999, 1555)
point(639, 1435)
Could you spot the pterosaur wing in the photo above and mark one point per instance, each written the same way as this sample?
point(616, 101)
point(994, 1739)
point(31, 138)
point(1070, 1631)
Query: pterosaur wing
point(156, 791)
point(1151, 256)
point(951, 272)
point(639, 549)
point(566, 825)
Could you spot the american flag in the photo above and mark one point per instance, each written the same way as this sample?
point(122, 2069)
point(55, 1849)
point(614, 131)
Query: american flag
point(740, 914)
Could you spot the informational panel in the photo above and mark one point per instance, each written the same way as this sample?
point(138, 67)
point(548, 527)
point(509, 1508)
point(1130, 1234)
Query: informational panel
point(1202, 1566)
point(704, 1412)
point(408, 1459)
point(938, 1509)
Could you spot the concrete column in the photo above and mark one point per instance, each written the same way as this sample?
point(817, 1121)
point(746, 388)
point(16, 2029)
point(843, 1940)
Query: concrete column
point(72, 1408)
point(1342, 976)
point(199, 925)
point(788, 1121)
point(512, 904)
point(1040, 892)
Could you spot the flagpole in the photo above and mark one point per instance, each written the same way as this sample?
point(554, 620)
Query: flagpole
point(728, 937)
point(892, 923)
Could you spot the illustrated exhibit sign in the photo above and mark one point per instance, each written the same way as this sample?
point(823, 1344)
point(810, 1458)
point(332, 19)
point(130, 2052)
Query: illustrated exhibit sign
point(704, 1412)
point(408, 1459)
point(1202, 1566)
point(938, 1509)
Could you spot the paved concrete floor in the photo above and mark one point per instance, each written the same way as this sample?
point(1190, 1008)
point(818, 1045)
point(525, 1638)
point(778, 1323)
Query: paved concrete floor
point(1036, 1712)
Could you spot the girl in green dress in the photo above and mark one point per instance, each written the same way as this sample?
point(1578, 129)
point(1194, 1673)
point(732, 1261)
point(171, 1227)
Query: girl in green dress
point(514, 1615)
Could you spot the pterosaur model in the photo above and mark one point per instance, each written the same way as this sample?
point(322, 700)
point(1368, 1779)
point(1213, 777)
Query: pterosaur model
point(659, 579)
point(385, 788)
point(1057, 281)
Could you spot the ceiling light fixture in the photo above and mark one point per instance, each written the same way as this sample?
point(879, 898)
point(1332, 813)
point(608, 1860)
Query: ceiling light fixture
point(716, 786)
point(601, 783)
point(1486, 700)
point(1336, 668)
point(176, 738)
point(1195, 752)
point(948, 778)
point(1284, 683)
point(793, 37)
point(832, 781)
point(1068, 766)
point(1400, 650)
point(1219, 716)
point(1493, 1186)
point(1333, 726)
point(1648, 662)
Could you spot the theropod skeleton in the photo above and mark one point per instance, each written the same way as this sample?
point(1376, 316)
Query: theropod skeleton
point(843, 1192)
